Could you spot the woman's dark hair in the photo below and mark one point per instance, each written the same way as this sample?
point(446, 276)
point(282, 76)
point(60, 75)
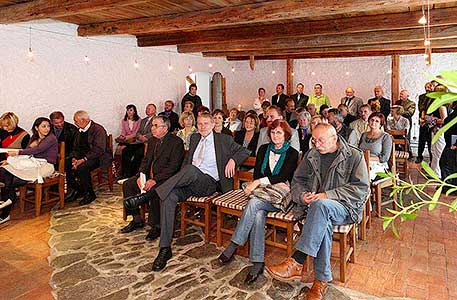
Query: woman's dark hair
point(35, 135)
point(284, 125)
point(260, 89)
point(136, 117)
point(380, 116)
point(321, 109)
point(219, 112)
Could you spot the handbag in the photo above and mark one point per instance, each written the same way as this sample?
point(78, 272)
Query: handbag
point(278, 195)
point(29, 168)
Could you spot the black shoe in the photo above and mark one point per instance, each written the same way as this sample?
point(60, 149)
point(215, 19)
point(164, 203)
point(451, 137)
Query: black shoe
point(419, 160)
point(134, 202)
point(88, 198)
point(224, 259)
point(161, 260)
point(153, 234)
point(132, 226)
point(251, 278)
point(73, 195)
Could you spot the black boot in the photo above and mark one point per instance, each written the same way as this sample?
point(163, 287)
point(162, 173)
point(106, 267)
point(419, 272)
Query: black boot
point(153, 234)
point(161, 260)
point(73, 195)
point(132, 226)
point(88, 198)
point(133, 203)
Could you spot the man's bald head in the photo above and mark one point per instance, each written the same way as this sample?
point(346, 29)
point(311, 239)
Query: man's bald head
point(325, 138)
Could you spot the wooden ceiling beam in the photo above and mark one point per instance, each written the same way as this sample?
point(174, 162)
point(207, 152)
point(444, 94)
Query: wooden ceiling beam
point(388, 47)
point(340, 54)
point(334, 40)
point(439, 17)
point(43, 9)
point(268, 11)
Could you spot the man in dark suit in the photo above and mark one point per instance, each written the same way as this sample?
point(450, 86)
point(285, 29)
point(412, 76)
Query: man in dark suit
point(384, 103)
point(64, 132)
point(279, 99)
point(171, 115)
point(133, 153)
point(209, 167)
point(90, 151)
point(163, 160)
point(300, 99)
point(193, 97)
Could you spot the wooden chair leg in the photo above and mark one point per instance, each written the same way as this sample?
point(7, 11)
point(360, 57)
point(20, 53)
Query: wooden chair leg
point(22, 195)
point(363, 228)
point(143, 208)
point(183, 218)
point(290, 238)
point(378, 200)
point(219, 226)
point(110, 178)
point(352, 241)
point(394, 204)
point(124, 213)
point(62, 191)
point(38, 197)
point(207, 221)
point(342, 240)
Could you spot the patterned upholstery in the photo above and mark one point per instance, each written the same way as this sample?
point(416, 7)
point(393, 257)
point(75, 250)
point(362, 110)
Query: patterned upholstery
point(201, 199)
point(236, 199)
point(342, 228)
point(401, 154)
point(282, 216)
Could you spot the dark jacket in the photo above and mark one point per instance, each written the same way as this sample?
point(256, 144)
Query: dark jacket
point(347, 180)
point(46, 149)
point(304, 139)
point(67, 135)
point(385, 105)
point(281, 102)
point(302, 102)
point(348, 119)
point(226, 149)
point(287, 170)
point(252, 146)
point(174, 120)
point(194, 99)
point(98, 144)
point(167, 155)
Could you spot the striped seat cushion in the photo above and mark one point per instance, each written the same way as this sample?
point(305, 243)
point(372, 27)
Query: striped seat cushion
point(401, 154)
point(282, 216)
point(201, 199)
point(235, 199)
point(342, 228)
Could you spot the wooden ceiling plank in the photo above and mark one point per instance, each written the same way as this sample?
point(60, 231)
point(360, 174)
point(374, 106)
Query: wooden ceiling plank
point(268, 11)
point(42, 9)
point(439, 17)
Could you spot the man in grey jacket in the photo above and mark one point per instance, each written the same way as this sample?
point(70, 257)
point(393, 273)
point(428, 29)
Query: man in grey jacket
point(329, 188)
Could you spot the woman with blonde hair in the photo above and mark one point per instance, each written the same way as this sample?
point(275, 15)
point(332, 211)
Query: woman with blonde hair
point(187, 122)
point(11, 135)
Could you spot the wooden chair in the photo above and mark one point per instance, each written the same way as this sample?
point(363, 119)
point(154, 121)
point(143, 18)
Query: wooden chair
point(56, 179)
point(378, 185)
point(345, 235)
point(105, 175)
point(401, 145)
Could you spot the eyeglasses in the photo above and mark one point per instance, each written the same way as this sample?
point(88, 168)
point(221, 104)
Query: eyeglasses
point(320, 140)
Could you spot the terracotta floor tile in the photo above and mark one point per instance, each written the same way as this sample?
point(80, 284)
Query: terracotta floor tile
point(416, 293)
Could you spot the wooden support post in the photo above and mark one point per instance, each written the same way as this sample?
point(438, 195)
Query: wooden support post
point(251, 62)
point(395, 79)
point(290, 77)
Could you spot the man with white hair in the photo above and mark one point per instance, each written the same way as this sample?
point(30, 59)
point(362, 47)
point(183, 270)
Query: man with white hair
point(337, 120)
point(352, 102)
point(90, 151)
point(409, 107)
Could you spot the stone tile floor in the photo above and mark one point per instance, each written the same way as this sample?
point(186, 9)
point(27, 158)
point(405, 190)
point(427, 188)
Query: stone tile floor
point(421, 264)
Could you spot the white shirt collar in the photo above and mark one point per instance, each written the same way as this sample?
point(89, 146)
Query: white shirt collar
point(85, 128)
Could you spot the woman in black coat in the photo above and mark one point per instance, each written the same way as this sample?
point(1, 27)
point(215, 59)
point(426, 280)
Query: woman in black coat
point(248, 136)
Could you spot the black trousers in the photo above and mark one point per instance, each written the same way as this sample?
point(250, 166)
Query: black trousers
point(9, 190)
point(130, 188)
point(80, 178)
point(425, 137)
point(448, 164)
point(132, 155)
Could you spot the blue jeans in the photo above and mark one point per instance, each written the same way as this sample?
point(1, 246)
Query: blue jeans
point(252, 224)
point(316, 237)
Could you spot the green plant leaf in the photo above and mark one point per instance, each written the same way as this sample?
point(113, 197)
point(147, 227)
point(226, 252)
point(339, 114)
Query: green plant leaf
point(435, 198)
point(394, 230)
point(393, 212)
point(407, 216)
point(451, 191)
point(443, 129)
point(449, 75)
point(441, 98)
point(453, 206)
point(386, 222)
point(429, 170)
point(442, 81)
point(382, 174)
point(452, 176)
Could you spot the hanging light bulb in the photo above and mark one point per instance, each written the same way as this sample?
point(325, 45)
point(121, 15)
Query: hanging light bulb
point(273, 72)
point(170, 67)
point(86, 58)
point(190, 69)
point(389, 72)
point(426, 43)
point(347, 73)
point(210, 65)
point(30, 53)
point(425, 55)
point(136, 64)
point(292, 74)
point(423, 20)
point(313, 73)
point(233, 69)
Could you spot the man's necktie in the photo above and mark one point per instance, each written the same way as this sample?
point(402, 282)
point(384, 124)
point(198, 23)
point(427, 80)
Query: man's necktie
point(201, 153)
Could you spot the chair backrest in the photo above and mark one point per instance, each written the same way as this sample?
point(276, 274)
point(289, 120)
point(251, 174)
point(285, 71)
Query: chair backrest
point(391, 162)
point(366, 155)
point(244, 176)
point(399, 137)
point(110, 142)
point(61, 158)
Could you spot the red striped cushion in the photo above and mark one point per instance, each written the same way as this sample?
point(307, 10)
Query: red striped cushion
point(282, 216)
point(342, 228)
point(401, 154)
point(201, 199)
point(236, 199)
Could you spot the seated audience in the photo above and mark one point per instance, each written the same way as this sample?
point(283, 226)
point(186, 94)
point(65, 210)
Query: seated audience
point(193, 97)
point(380, 102)
point(311, 108)
point(90, 151)
point(233, 123)
point(263, 115)
point(259, 101)
point(448, 160)
point(323, 111)
point(336, 119)
point(348, 118)
point(188, 106)
point(397, 122)
point(304, 130)
point(205, 171)
point(378, 142)
point(361, 125)
point(202, 109)
point(64, 132)
point(11, 135)
point(289, 113)
point(324, 196)
point(352, 102)
point(43, 145)
point(129, 128)
point(219, 117)
point(274, 113)
point(187, 122)
point(275, 164)
point(248, 136)
point(163, 160)
point(171, 115)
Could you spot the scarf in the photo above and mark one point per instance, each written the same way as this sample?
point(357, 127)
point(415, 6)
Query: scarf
point(281, 160)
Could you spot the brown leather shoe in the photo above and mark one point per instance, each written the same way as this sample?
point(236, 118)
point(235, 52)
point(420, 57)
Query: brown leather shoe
point(317, 291)
point(287, 270)
point(307, 276)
